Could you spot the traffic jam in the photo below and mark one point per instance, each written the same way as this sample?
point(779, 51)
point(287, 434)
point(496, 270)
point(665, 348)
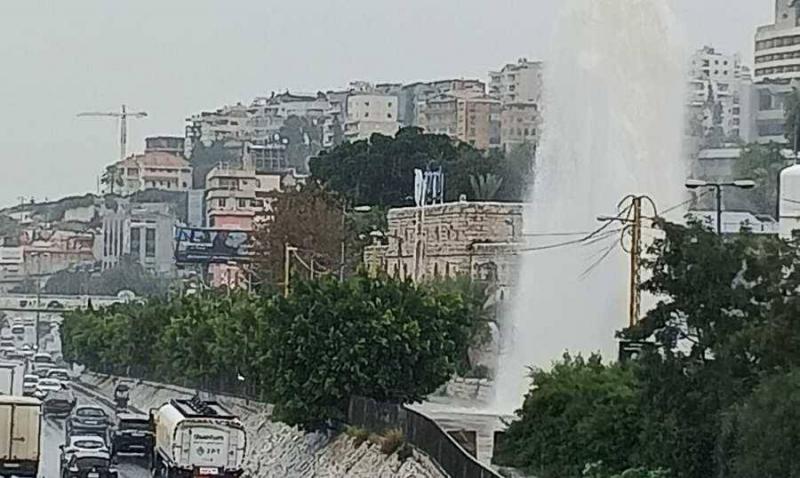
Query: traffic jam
point(51, 427)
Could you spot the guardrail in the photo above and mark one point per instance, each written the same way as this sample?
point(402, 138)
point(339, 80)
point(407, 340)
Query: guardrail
point(420, 431)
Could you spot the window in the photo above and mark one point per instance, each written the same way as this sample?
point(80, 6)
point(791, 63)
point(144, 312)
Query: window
point(366, 114)
point(150, 243)
point(388, 115)
point(136, 241)
point(389, 104)
point(223, 202)
point(243, 203)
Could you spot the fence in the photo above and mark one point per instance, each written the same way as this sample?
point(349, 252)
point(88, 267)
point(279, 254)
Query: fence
point(420, 431)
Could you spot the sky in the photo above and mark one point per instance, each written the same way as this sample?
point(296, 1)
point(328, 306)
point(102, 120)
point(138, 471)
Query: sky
point(177, 57)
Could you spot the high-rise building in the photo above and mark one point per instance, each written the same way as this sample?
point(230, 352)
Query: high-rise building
point(777, 52)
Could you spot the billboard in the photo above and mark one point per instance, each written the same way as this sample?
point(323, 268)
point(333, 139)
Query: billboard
point(199, 245)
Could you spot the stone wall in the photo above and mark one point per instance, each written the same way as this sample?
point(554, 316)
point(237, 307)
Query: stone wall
point(459, 238)
point(276, 450)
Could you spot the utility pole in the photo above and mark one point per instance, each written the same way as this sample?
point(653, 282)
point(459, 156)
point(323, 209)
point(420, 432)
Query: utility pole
point(636, 255)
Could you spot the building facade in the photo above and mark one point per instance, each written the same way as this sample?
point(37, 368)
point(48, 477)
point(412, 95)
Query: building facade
point(142, 232)
point(777, 46)
point(519, 124)
point(472, 118)
point(473, 239)
point(369, 113)
point(519, 82)
point(719, 101)
point(150, 170)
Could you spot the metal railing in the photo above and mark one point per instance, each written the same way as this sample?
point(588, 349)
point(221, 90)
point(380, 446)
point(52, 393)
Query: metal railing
point(420, 431)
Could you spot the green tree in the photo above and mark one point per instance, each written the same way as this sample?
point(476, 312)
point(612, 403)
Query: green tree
point(763, 164)
point(205, 157)
point(112, 177)
point(791, 108)
point(765, 429)
point(380, 171)
point(579, 413)
point(384, 339)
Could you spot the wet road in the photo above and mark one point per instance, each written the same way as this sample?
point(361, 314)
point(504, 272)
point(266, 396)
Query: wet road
point(53, 437)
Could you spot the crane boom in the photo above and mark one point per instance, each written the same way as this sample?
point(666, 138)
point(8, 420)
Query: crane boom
point(123, 124)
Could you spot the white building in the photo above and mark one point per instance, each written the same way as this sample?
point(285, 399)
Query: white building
point(519, 82)
point(720, 102)
point(369, 113)
point(151, 170)
point(777, 46)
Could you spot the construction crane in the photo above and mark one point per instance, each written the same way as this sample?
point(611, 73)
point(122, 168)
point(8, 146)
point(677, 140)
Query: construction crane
point(123, 125)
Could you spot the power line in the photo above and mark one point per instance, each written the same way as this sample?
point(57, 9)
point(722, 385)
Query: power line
point(585, 239)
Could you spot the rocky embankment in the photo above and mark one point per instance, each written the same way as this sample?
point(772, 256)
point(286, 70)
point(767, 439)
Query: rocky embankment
point(276, 450)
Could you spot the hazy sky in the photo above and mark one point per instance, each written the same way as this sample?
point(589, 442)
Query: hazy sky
point(175, 57)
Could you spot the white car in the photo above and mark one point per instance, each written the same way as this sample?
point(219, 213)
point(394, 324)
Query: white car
point(61, 374)
point(27, 351)
point(29, 383)
point(7, 347)
point(47, 385)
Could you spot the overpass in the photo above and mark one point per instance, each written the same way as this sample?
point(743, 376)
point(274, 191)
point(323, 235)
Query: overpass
point(50, 303)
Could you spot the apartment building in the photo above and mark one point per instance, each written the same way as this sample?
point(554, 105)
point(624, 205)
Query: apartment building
point(370, 113)
point(472, 118)
point(519, 82)
point(720, 98)
point(149, 170)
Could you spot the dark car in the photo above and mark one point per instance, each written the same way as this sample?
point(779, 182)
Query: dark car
point(88, 418)
point(83, 463)
point(132, 434)
point(59, 404)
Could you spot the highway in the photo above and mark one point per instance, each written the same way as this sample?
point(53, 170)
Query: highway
point(53, 429)
point(53, 437)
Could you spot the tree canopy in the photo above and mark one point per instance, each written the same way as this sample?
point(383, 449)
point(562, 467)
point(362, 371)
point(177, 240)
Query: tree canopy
point(702, 400)
point(306, 353)
point(380, 171)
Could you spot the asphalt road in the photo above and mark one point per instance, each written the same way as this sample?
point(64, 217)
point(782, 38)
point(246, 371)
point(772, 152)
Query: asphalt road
point(53, 437)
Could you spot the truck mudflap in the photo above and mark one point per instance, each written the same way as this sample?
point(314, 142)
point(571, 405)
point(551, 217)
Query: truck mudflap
point(20, 468)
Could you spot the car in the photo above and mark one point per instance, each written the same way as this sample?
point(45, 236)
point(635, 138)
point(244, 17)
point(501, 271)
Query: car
point(46, 386)
point(7, 347)
point(29, 383)
point(132, 433)
point(87, 464)
point(14, 355)
point(59, 404)
point(43, 360)
point(41, 372)
point(18, 329)
point(75, 443)
point(59, 374)
point(27, 351)
point(88, 418)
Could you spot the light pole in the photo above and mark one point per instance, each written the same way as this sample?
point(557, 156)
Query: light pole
point(717, 186)
point(343, 250)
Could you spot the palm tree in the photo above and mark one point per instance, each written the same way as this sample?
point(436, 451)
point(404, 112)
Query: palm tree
point(112, 177)
point(486, 186)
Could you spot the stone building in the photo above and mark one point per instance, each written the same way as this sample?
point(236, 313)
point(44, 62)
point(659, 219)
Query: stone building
point(477, 239)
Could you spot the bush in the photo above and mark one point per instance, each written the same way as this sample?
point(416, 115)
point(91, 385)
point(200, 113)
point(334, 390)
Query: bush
point(359, 435)
point(392, 440)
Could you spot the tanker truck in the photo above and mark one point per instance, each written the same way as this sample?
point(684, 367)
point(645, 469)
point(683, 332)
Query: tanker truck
point(196, 438)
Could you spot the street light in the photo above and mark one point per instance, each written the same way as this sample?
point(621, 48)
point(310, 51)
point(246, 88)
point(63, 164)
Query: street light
point(717, 186)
